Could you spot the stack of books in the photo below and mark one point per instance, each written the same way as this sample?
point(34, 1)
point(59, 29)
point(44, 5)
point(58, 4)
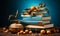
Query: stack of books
point(45, 19)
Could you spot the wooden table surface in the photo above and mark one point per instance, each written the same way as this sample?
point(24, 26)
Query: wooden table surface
point(35, 34)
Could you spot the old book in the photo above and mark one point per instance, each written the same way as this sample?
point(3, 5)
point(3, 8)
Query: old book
point(49, 25)
point(45, 22)
point(46, 18)
point(36, 26)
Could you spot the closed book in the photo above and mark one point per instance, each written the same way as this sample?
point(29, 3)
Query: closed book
point(45, 22)
point(49, 25)
point(46, 18)
point(45, 26)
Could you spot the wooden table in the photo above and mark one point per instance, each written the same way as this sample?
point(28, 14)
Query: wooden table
point(36, 34)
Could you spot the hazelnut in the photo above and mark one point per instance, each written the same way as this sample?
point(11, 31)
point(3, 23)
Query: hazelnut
point(26, 31)
point(21, 32)
point(48, 32)
point(30, 32)
point(6, 30)
point(42, 31)
point(55, 30)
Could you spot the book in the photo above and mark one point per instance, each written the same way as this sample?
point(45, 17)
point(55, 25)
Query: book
point(45, 22)
point(46, 18)
point(49, 25)
point(40, 27)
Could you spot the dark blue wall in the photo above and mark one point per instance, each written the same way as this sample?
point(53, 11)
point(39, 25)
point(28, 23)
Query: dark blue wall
point(10, 6)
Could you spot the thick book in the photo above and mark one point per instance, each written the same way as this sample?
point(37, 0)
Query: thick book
point(36, 26)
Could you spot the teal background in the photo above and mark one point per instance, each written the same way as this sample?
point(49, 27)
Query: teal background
point(10, 6)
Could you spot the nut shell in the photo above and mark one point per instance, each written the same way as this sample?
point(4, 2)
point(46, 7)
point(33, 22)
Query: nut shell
point(48, 32)
point(30, 32)
point(21, 32)
point(42, 31)
point(26, 31)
